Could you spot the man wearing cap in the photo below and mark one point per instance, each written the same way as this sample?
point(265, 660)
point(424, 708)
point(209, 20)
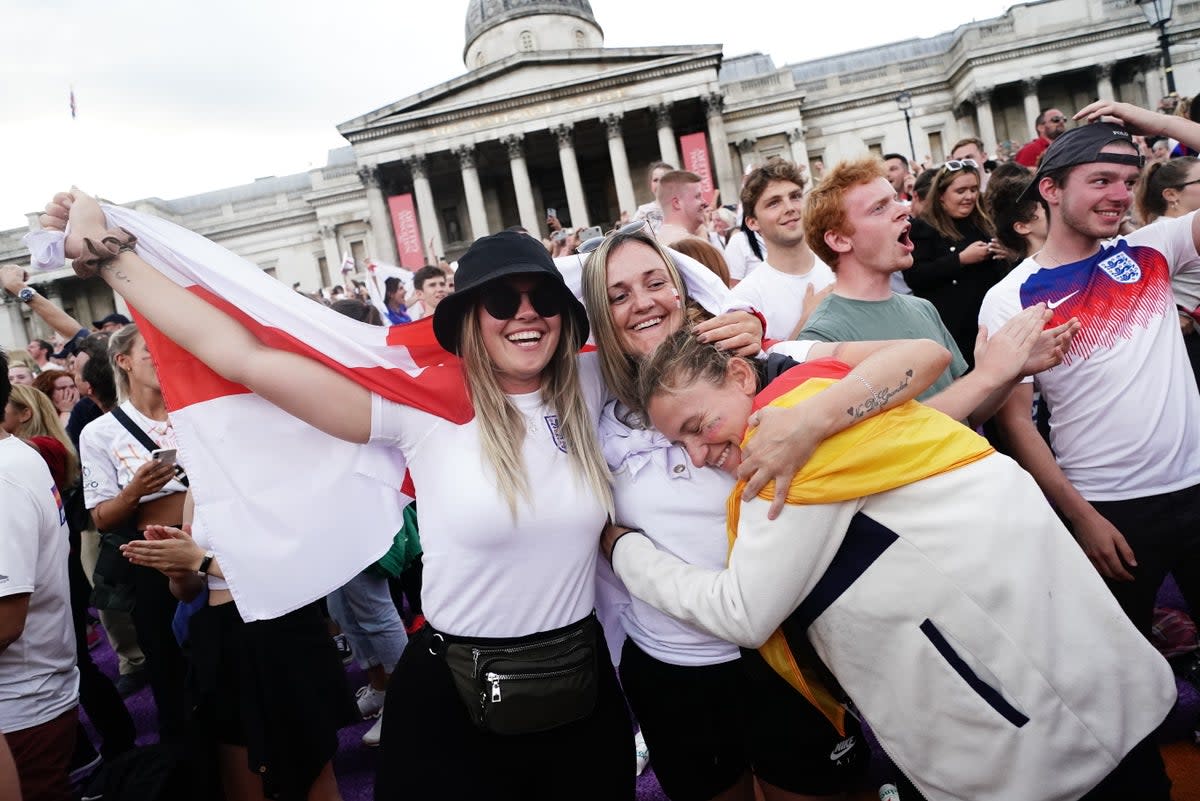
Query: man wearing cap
point(1050, 125)
point(1124, 411)
point(112, 323)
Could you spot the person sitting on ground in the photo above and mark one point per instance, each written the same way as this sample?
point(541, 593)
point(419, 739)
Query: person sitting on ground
point(867, 574)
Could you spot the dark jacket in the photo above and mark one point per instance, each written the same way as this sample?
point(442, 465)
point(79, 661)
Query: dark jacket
point(955, 289)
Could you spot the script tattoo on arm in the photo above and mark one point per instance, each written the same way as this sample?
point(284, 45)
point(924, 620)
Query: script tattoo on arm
point(878, 399)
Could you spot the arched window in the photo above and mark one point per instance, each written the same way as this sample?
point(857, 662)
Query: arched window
point(527, 42)
point(479, 59)
point(580, 39)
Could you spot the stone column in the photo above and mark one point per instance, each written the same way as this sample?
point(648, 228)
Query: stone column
point(576, 203)
point(964, 123)
point(476, 210)
point(795, 139)
point(626, 200)
point(720, 148)
point(526, 209)
point(987, 125)
point(381, 219)
point(333, 259)
point(667, 150)
point(12, 326)
point(426, 211)
point(1033, 106)
point(1104, 84)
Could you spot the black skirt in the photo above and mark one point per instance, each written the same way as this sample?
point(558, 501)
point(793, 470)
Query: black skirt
point(276, 687)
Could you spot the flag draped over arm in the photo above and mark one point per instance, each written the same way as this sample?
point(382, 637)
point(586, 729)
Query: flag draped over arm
point(291, 512)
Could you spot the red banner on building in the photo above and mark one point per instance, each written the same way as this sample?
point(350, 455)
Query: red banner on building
point(695, 159)
point(408, 231)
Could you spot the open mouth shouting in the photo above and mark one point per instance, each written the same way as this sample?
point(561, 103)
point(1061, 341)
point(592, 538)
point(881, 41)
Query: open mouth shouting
point(904, 240)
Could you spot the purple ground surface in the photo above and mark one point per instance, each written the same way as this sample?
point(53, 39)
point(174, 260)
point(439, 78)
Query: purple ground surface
point(355, 763)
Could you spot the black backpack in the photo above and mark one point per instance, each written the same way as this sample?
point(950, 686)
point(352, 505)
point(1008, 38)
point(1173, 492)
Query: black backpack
point(149, 773)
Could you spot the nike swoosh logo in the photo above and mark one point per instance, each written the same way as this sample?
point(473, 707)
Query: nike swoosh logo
point(1054, 304)
point(842, 748)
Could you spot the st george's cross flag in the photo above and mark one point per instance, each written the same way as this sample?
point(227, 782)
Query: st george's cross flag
point(291, 512)
point(377, 274)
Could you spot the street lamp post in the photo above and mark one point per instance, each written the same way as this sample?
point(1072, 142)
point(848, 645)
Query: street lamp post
point(904, 103)
point(1158, 14)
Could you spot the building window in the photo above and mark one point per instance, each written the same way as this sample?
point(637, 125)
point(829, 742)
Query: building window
point(323, 270)
point(580, 39)
point(527, 42)
point(936, 148)
point(876, 149)
point(358, 252)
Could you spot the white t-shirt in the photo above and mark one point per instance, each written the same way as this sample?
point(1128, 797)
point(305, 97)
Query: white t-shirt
point(1124, 411)
point(651, 212)
point(38, 678)
point(485, 575)
point(657, 489)
point(779, 296)
point(110, 455)
point(739, 258)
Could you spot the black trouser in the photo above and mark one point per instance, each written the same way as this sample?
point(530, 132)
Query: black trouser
point(1164, 533)
point(431, 749)
point(153, 610)
point(97, 694)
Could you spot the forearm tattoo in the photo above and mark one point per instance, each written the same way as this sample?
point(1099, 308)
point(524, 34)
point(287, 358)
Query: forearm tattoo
point(117, 273)
point(878, 398)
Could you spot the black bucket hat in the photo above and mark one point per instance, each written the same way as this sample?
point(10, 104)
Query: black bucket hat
point(492, 258)
point(1083, 145)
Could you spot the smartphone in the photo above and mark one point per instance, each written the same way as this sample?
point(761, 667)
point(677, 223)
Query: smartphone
point(164, 455)
point(590, 233)
point(552, 213)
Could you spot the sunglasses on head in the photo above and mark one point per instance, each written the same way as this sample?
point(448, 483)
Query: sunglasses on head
point(596, 241)
point(954, 165)
point(502, 300)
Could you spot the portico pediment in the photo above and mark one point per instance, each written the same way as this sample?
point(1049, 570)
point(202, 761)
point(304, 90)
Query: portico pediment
point(526, 80)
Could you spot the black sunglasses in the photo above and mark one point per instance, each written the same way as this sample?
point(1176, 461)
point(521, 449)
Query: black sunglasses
point(594, 242)
point(502, 300)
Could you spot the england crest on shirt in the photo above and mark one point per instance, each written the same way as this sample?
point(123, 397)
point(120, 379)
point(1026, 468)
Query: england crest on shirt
point(555, 434)
point(1121, 268)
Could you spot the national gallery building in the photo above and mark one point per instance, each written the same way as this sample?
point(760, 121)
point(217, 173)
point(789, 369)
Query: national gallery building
point(547, 117)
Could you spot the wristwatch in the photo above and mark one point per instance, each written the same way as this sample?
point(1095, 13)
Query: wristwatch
point(202, 571)
point(27, 295)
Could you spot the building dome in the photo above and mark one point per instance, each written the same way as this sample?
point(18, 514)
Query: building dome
point(499, 28)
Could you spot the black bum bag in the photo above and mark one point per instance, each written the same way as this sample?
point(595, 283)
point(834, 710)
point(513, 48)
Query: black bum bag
point(527, 684)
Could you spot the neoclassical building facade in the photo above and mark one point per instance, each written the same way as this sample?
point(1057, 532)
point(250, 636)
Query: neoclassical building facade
point(547, 117)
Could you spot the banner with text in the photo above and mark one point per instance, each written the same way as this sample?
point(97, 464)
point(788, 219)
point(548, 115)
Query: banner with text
point(408, 232)
point(695, 159)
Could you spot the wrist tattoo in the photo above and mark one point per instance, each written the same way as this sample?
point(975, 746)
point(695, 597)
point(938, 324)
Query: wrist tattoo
point(877, 399)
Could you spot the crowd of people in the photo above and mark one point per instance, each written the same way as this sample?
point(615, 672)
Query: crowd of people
point(910, 450)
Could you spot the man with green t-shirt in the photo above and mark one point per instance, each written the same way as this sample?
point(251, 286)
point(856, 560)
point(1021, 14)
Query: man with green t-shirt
point(855, 224)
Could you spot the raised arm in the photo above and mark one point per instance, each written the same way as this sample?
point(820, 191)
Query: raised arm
point(300, 386)
point(13, 279)
point(885, 375)
point(1143, 122)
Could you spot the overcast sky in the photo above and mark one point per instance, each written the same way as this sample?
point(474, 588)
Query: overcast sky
point(177, 98)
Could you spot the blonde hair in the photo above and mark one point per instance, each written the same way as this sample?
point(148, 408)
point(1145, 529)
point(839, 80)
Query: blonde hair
point(620, 369)
point(43, 422)
point(678, 363)
point(502, 427)
point(120, 343)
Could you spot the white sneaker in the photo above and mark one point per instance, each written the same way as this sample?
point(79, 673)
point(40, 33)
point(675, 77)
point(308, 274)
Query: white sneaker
point(643, 753)
point(370, 701)
point(374, 734)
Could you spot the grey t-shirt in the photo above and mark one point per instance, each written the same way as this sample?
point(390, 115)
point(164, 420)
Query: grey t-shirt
point(840, 319)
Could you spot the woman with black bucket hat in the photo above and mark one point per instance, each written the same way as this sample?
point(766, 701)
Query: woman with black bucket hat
point(510, 679)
